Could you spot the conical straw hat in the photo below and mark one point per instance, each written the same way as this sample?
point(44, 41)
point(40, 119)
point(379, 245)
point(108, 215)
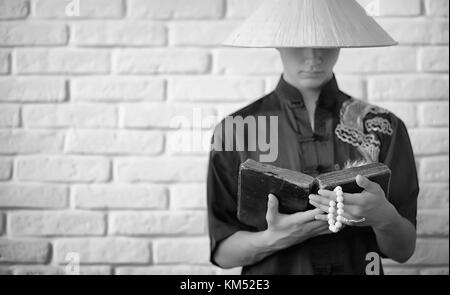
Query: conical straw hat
point(310, 23)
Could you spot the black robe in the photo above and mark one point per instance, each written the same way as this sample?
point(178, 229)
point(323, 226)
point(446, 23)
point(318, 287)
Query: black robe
point(346, 129)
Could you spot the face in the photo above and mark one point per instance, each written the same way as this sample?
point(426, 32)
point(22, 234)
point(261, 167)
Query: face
point(308, 67)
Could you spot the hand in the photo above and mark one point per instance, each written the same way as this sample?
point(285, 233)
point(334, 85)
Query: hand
point(289, 229)
point(370, 204)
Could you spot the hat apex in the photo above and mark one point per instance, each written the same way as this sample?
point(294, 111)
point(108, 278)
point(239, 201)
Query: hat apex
point(310, 23)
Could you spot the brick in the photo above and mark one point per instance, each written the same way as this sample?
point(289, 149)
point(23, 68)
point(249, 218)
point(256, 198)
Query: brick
point(114, 142)
point(34, 270)
point(397, 271)
point(188, 142)
point(229, 272)
point(14, 9)
point(70, 115)
point(5, 62)
point(63, 168)
point(87, 9)
point(241, 8)
point(430, 252)
point(213, 89)
point(434, 169)
point(9, 115)
point(5, 271)
point(376, 60)
point(437, 7)
point(6, 167)
point(21, 89)
point(188, 196)
point(20, 251)
point(117, 89)
point(165, 270)
point(185, 250)
point(227, 109)
point(258, 61)
point(407, 112)
point(162, 61)
point(182, 169)
point(439, 271)
point(2, 223)
point(120, 196)
point(434, 114)
point(432, 223)
point(429, 141)
point(104, 250)
point(26, 141)
point(434, 59)
point(176, 9)
point(167, 115)
point(50, 223)
point(433, 196)
point(33, 196)
point(420, 31)
point(392, 7)
point(200, 33)
point(104, 33)
point(352, 85)
point(408, 87)
point(157, 223)
point(60, 270)
point(29, 33)
point(62, 61)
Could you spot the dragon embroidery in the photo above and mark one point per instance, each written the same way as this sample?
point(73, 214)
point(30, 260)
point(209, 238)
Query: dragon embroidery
point(360, 133)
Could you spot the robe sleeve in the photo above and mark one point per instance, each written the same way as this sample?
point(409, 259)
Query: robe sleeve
point(398, 155)
point(221, 191)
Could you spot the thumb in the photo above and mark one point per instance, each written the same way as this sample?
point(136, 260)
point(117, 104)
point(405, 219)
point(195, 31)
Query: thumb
point(272, 207)
point(366, 184)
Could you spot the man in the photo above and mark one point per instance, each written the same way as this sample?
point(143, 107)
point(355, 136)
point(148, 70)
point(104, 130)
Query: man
point(320, 129)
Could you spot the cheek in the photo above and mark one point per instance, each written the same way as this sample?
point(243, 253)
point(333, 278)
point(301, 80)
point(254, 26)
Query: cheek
point(331, 60)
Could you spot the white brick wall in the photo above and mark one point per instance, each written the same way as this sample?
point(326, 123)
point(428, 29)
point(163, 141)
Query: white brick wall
point(90, 154)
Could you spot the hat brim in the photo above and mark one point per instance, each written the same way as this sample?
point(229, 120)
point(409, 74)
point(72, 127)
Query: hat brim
point(310, 24)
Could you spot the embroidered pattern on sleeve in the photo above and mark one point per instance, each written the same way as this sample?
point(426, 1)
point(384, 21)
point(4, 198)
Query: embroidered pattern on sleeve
point(351, 127)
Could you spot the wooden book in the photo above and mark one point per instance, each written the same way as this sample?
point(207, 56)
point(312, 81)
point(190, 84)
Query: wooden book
point(292, 188)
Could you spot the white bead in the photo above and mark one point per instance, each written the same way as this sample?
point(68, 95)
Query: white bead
point(340, 193)
point(340, 211)
point(332, 228)
point(338, 188)
point(340, 199)
point(340, 218)
point(338, 225)
point(330, 216)
point(332, 203)
point(331, 210)
point(340, 205)
point(331, 221)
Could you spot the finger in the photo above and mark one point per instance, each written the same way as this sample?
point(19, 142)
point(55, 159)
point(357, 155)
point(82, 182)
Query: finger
point(323, 208)
point(320, 199)
point(330, 195)
point(348, 198)
point(366, 184)
point(322, 217)
point(304, 216)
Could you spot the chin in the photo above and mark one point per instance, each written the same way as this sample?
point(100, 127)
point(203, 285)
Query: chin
point(311, 82)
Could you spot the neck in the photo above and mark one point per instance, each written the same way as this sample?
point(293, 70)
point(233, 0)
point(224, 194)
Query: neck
point(308, 93)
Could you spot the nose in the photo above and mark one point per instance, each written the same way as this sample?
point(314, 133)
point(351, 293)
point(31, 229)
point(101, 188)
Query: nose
point(313, 56)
